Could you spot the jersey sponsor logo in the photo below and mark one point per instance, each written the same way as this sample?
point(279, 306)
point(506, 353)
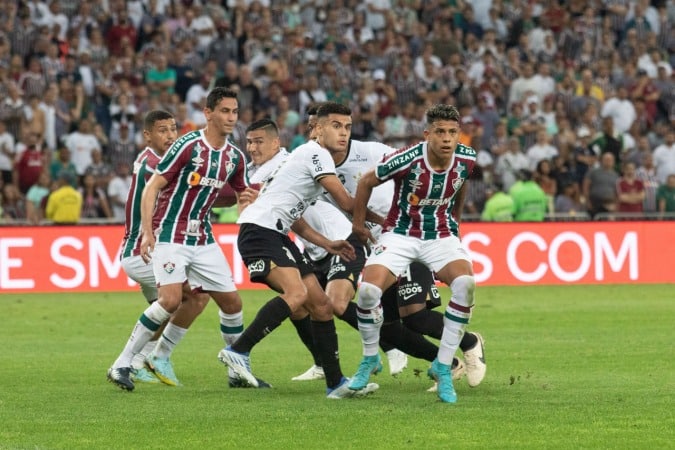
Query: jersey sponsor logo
point(402, 159)
point(298, 210)
point(468, 151)
point(335, 269)
point(169, 267)
point(358, 158)
point(417, 201)
point(408, 291)
point(317, 163)
point(256, 267)
point(194, 179)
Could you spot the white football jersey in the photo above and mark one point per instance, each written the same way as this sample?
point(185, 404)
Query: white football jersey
point(362, 157)
point(327, 220)
point(290, 188)
point(260, 174)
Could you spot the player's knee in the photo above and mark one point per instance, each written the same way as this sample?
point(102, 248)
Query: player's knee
point(463, 288)
point(369, 296)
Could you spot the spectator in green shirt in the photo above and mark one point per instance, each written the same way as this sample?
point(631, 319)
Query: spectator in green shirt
point(499, 206)
point(529, 199)
point(665, 195)
point(161, 77)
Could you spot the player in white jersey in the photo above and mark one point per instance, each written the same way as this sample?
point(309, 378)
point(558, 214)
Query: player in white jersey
point(422, 225)
point(272, 258)
point(176, 205)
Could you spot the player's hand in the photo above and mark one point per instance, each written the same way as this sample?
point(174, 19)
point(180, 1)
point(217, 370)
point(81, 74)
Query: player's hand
point(343, 249)
point(248, 196)
point(364, 235)
point(147, 246)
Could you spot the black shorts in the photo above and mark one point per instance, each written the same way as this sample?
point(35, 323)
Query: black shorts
point(262, 248)
point(416, 286)
point(340, 269)
point(321, 268)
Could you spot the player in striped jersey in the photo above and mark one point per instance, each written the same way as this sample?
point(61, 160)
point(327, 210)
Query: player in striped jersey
point(176, 230)
point(422, 225)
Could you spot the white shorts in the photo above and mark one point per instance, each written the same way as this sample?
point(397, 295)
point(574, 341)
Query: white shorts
point(203, 266)
point(396, 252)
point(143, 274)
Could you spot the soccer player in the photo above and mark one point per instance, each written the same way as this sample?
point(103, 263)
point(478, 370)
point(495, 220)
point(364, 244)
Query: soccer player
point(422, 225)
point(176, 204)
point(272, 258)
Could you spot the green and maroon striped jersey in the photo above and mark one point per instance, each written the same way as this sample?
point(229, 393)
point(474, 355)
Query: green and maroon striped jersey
point(195, 173)
point(424, 197)
point(144, 167)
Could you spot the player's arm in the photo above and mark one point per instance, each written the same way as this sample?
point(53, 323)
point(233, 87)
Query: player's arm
point(346, 202)
point(341, 248)
point(459, 202)
point(364, 190)
point(245, 198)
point(148, 199)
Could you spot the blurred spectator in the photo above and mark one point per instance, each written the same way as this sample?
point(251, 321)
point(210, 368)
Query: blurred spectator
point(13, 204)
point(511, 163)
point(585, 156)
point(94, 201)
point(569, 200)
point(630, 190)
point(36, 199)
point(81, 144)
point(118, 190)
point(195, 100)
point(665, 196)
point(499, 206)
point(543, 176)
point(12, 109)
point(541, 150)
point(122, 113)
point(64, 204)
point(30, 163)
point(34, 118)
point(101, 170)
point(647, 174)
point(608, 141)
point(599, 186)
point(664, 156)
point(121, 148)
point(620, 109)
point(530, 201)
point(6, 154)
point(161, 78)
point(63, 165)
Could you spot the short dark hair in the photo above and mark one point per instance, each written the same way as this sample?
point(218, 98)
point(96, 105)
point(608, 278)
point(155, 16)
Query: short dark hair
point(327, 108)
point(313, 108)
point(154, 116)
point(217, 94)
point(441, 112)
point(264, 124)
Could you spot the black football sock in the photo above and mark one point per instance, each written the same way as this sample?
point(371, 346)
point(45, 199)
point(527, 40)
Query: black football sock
point(425, 321)
point(268, 318)
point(408, 341)
point(349, 316)
point(326, 341)
point(304, 328)
point(469, 341)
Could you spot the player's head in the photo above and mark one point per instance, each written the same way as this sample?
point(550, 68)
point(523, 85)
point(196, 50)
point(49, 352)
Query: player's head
point(159, 130)
point(222, 110)
point(442, 129)
point(262, 141)
point(333, 126)
point(312, 118)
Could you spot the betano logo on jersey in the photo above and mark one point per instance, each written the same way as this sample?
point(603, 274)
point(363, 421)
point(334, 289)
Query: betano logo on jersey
point(194, 179)
point(414, 200)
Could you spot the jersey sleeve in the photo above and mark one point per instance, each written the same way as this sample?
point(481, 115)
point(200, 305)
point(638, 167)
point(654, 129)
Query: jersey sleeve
point(320, 163)
point(173, 161)
point(239, 180)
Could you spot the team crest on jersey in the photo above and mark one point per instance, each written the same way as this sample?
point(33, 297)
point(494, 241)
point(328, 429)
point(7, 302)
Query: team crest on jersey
point(377, 249)
point(460, 170)
point(169, 267)
point(418, 171)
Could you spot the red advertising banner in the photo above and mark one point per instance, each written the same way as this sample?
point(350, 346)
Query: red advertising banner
point(86, 258)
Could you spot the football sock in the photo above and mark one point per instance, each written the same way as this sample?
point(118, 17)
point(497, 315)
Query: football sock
point(408, 341)
point(327, 345)
point(425, 321)
point(349, 316)
point(304, 329)
point(149, 322)
point(138, 361)
point(457, 315)
point(268, 318)
point(171, 336)
point(231, 326)
point(469, 341)
point(370, 317)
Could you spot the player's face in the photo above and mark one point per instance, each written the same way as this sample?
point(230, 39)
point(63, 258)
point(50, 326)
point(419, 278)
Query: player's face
point(442, 137)
point(311, 127)
point(334, 132)
point(161, 136)
point(261, 145)
point(224, 116)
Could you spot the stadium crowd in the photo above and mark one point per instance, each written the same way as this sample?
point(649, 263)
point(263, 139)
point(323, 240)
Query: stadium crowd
point(569, 103)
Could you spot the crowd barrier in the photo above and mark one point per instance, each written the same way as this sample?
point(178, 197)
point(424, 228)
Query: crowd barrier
point(86, 258)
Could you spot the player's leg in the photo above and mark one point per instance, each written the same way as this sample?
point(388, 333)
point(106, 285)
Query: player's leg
point(169, 266)
point(452, 265)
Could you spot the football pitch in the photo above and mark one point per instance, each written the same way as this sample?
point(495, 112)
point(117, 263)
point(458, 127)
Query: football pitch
point(568, 367)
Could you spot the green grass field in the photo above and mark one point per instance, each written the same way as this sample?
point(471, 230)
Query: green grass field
point(568, 367)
